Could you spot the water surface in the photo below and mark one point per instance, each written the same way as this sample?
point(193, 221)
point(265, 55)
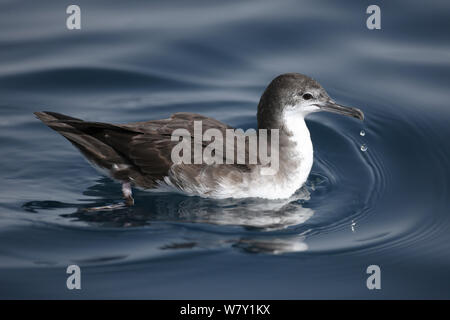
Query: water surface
point(137, 61)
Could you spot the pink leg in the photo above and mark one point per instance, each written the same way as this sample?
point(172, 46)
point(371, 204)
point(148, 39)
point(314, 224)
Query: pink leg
point(127, 193)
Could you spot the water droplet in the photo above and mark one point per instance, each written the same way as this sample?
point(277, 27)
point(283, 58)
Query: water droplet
point(362, 133)
point(363, 147)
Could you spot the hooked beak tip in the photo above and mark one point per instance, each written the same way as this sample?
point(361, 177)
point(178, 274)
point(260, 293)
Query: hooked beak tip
point(359, 114)
point(332, 106)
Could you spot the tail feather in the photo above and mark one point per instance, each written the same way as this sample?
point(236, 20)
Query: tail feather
point(77, 132)
point(47, 116)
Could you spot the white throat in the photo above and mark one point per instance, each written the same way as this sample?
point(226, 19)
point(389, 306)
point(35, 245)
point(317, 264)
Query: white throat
point(302, 153)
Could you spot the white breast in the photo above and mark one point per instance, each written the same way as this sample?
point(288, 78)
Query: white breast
point(303, 153)
point(294, 167)
point(293, 177)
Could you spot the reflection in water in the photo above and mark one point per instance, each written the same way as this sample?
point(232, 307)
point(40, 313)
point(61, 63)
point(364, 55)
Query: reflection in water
point(249, 213)
point(276, 245)
point(259, 217)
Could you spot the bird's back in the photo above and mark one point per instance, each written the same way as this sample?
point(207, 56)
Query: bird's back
point(141, 152)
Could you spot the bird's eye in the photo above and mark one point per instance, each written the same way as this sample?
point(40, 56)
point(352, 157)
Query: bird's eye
point(307, 96)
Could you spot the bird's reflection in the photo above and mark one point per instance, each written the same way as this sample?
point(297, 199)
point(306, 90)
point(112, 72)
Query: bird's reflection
point(274, 245)
point(260, 218)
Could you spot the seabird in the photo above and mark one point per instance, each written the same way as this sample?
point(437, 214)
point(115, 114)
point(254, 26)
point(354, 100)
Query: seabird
point(139, 154)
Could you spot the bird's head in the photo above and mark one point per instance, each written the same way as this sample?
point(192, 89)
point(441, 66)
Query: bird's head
point(296, 95)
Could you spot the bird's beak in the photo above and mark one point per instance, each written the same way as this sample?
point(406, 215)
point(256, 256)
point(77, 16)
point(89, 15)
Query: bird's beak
point(332, 106)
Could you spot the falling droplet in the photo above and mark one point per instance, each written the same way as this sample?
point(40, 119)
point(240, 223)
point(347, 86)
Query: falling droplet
point(363, 147)
point(362, 133)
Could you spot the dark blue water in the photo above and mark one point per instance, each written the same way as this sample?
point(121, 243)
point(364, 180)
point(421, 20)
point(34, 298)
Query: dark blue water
point(137, 60)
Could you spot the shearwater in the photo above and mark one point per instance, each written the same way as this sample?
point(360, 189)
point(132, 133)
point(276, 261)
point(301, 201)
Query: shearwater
point(139, 154)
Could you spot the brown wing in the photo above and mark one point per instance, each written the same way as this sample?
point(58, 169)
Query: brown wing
point(151, 150)
point(140, 151)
